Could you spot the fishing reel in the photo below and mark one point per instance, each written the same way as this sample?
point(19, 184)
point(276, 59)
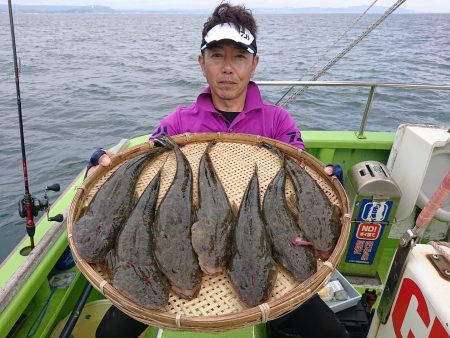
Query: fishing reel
point(41, 205)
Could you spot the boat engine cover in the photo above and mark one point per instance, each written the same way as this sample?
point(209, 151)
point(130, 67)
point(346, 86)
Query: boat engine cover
point(419, 160)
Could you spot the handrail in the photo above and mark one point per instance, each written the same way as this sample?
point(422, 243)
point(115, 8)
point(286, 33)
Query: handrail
point(354, 84)
point(373, 86)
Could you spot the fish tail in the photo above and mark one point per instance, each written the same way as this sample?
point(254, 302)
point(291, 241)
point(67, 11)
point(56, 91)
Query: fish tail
point(167, 141)
point(159, 173)
point(274, 150)
point(210, 145)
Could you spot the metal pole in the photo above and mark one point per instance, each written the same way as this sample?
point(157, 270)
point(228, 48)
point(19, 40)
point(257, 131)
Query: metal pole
point(360, 134)
point(72, 321)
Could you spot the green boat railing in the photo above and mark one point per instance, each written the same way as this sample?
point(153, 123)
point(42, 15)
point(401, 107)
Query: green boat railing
point(373, 86)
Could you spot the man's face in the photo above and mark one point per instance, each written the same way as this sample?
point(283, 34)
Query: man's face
point(228, 69)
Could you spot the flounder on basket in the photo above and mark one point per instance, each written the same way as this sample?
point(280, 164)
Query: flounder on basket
point(317, 217)
point(213, 230)
point(95, 232)
point(297, 259)
point(252, 270)
point(172, 231)
point(131, 263)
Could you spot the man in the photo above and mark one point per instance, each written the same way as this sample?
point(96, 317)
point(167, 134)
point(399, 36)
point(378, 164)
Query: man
point(231, 103)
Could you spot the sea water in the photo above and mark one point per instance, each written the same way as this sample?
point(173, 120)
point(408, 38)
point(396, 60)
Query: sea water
point(89, 80)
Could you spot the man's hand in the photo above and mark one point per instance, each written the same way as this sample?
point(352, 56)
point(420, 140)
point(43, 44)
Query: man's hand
point(100, 156)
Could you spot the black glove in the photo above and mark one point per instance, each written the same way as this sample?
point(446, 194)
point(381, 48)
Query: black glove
point(338, 172)
point(93, 161)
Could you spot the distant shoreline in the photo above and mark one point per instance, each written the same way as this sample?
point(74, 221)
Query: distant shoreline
point(64, 9)
point(286, 10)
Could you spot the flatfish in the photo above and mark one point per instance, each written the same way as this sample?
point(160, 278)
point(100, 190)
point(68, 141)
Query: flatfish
point(172, 232)
point(131, 264)
point(317, 217)
point(252, 270)
point(95, 232)
point(284, 232)
point(212, 232)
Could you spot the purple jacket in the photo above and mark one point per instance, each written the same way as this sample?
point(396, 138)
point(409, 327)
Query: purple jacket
point(258, 118)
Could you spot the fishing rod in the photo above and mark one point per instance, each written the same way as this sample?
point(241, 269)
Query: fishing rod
point(342, 53)
point(28, 206)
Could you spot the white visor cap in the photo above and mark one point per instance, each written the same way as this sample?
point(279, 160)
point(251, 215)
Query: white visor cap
point(227, 31)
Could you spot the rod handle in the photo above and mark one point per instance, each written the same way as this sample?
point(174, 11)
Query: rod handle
point(53, 187)
point(57, 218)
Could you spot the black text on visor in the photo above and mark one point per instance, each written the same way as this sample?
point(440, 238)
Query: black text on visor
point(242, 37)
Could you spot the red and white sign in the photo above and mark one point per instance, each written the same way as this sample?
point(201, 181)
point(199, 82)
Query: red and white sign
point(411, 316)
point(369, 231)
point(421, 303)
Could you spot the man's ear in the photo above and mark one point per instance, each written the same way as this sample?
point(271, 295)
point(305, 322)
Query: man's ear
point(255, 63)
point(201, 62)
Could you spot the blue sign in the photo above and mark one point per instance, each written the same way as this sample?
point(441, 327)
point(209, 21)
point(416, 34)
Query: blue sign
point(369, 227)
point(374, 211)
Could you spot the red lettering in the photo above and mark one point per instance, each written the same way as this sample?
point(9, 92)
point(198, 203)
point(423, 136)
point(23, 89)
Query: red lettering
point(409, 289)
point(438, 330)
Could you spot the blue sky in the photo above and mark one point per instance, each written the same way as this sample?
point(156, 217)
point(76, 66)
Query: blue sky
point(416, 5)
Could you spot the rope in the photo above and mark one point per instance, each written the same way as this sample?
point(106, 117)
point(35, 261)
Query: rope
point(187, 136)
point(329, 48)
point(178, 320)
point(341, 54)
point(102, 285)
point(439, 247)
point(345, 33)
point(38, 321)
point(265, 312)
point(329, 265)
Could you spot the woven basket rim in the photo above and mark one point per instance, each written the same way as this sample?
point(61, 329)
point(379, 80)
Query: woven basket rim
point(223, 322)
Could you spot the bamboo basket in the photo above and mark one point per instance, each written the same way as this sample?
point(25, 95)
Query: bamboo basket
point(217, 307)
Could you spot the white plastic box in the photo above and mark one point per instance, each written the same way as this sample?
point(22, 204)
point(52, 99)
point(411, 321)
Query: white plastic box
point(353, 295)
point(419, 160)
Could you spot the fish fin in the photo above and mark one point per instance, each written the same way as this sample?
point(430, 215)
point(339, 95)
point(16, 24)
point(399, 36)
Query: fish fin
point(210, 145)
point(196, 208)
point(266, 145)
point(291, 202)
point(187, 293)
point(322, 254)
point(111, 261)
point(274, 150)
point(235, 209)
point(160, 141)
point(141, 272)
point(164, 163)
point(135, 197)
point(337, 210)
point(159, 173)
point(169, 142)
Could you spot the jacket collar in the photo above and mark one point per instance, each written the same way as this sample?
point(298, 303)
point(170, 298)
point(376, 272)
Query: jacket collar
point(253, 99)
